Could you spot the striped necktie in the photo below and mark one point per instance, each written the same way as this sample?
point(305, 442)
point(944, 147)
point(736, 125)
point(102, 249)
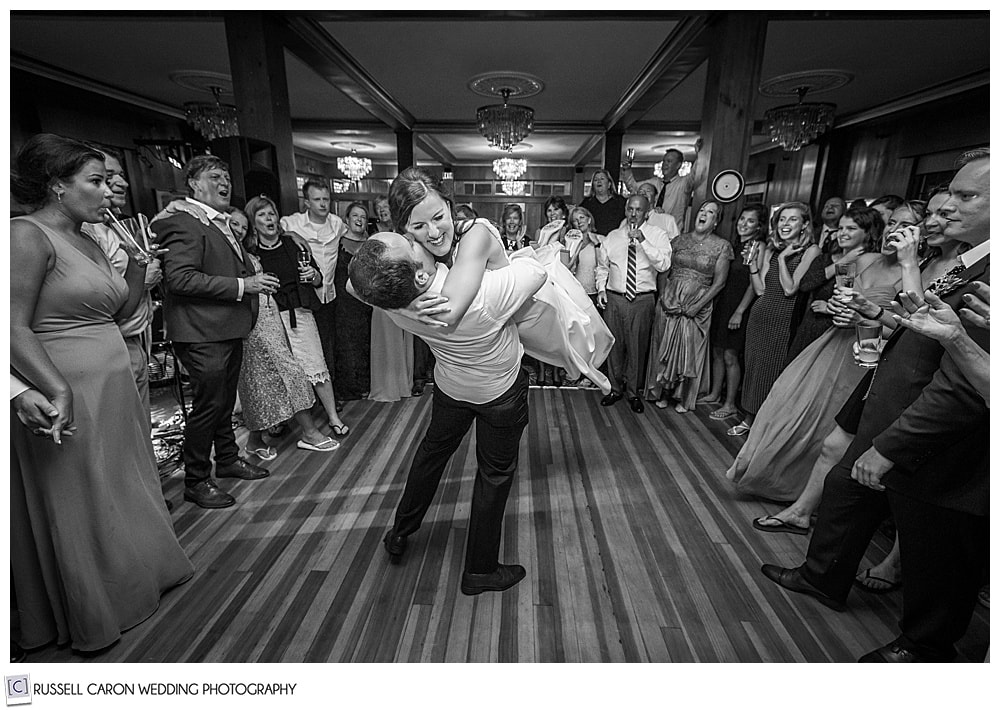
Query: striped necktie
point(630, 273)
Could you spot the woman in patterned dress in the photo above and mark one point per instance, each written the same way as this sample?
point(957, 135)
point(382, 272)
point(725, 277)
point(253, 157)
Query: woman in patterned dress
point(698, 272)
point(273, 388)
point(775, 276)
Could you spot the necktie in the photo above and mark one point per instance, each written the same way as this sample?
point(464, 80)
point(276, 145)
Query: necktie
point(630, 273)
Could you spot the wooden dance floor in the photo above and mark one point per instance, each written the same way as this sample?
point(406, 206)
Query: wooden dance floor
point(636, 547)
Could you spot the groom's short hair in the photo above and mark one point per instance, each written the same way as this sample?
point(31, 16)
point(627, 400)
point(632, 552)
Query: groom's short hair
point(381, 281)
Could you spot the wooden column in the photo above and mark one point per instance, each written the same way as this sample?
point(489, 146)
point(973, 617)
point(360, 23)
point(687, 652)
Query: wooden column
point(404, 149)
point(257, 64)
point(613, 154)
point(734, 66)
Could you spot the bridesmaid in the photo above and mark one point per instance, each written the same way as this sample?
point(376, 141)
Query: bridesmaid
point(92, 547)
point(776, 276)
point(353, 318)
point(728, 333)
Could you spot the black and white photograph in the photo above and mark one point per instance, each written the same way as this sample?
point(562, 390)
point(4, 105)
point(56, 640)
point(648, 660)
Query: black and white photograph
point(467, 336)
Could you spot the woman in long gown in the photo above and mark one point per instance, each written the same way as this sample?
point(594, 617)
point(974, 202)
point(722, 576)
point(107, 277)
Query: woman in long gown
point(901, 253)
point(352, 317)
point(272, 386)
point(92, 545)
point(679, 343)
point(775, 277)
point(559, 325)
point(799, 411)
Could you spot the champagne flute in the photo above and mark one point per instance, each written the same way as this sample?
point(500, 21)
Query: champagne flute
point(130, 231)
point(303, 264)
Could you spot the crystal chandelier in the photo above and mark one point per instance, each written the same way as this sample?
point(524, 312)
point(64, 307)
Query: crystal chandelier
point(354, 167)
point(513, 187)
point(796, 125)
point(212, 120)
point(509, 169)
point(504, 126)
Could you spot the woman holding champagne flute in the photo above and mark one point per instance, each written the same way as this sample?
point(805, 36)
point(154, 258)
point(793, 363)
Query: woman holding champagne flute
point(296, 299)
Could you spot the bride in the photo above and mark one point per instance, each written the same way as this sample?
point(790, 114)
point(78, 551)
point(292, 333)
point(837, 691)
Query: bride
point(560, 325)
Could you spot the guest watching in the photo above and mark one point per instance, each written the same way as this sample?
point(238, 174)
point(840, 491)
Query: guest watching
point(604, 202)
point(321, 229)
point(826, 230)
point(209, 308)
point(775, 276)
point(512, 227)
point(699, 266)
point(383, 217)
point(626, 289)
point(728, 333)
point(352, 379)
point(299, 277)
point(92, 546)
point(673, 190)
point(557, 221)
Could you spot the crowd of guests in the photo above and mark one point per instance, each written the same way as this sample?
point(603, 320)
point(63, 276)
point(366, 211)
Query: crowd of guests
point(761, 325)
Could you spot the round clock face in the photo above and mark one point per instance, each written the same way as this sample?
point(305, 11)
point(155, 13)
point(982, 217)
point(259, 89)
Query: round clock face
point(727, 186)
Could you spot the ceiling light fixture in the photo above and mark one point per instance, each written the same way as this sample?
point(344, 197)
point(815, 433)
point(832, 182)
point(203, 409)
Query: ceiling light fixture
point(509, 169)
point(504, 125)
point(793, 126)
point(212, 120)
point(354, 166)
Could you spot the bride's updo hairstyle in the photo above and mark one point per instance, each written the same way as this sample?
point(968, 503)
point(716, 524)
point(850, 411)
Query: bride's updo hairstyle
point(408, 190)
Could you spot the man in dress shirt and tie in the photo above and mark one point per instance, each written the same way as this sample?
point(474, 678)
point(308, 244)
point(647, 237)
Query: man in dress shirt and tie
point(322, 230)
point(209, 307)
point(626, 289)
point(478, 378)
point(833, 210)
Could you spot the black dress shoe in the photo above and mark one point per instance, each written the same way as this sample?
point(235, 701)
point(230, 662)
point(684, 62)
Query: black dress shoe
point(207, 494)
point(609, 399)
point(891, 653)
point(791, 579)
point(395, 544)
point(170, 506)
point(17, 654)
point(636, 404)
point(503, 577)
point(242, 468)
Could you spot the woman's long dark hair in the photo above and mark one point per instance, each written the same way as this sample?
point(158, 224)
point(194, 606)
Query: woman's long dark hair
point(43, 159)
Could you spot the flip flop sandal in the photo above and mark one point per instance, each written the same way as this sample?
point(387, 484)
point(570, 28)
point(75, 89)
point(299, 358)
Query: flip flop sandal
point(781, 527)
point(264, 453)
point(738, 430)
point(720, 414)
point(863, 582)
point(327, 444)
point(341, 429)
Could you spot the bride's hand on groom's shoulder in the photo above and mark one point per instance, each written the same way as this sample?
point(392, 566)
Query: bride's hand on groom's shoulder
point(424, 307)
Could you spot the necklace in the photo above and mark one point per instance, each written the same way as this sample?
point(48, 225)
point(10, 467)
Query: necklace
point(266, 247)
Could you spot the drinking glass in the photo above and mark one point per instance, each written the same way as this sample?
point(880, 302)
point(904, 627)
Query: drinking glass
point(869, 334)
point(134, 235)
point(845, 274)
point(303, 263)
point(750, 253)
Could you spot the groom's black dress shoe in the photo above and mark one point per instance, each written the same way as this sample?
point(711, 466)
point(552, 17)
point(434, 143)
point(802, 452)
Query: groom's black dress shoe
point(241, 468)
point(207, 494)
point(395, 544)
point(503, 577)
point(610, 399)
point(891, 653)
point(791, 579)
point(636, 404)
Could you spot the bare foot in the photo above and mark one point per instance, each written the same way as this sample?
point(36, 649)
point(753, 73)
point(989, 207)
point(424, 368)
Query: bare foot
point(787, 517)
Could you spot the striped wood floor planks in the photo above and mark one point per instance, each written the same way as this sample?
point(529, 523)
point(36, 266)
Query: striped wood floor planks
point(636, 547)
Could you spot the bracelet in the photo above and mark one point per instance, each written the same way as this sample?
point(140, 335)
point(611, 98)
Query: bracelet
point(754, 273)
point(878, 316)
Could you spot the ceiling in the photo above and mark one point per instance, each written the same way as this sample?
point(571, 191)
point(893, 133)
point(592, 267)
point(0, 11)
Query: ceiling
point(587, 62)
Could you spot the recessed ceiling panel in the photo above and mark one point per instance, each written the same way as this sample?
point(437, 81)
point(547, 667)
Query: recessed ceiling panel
point(425, 65)
point(133, 54)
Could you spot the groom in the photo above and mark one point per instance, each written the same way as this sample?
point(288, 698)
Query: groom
point(478, 377)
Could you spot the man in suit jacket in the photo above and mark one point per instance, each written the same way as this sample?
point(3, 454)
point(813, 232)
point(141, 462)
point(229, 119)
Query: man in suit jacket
point(921, 452)
point(210, 305)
